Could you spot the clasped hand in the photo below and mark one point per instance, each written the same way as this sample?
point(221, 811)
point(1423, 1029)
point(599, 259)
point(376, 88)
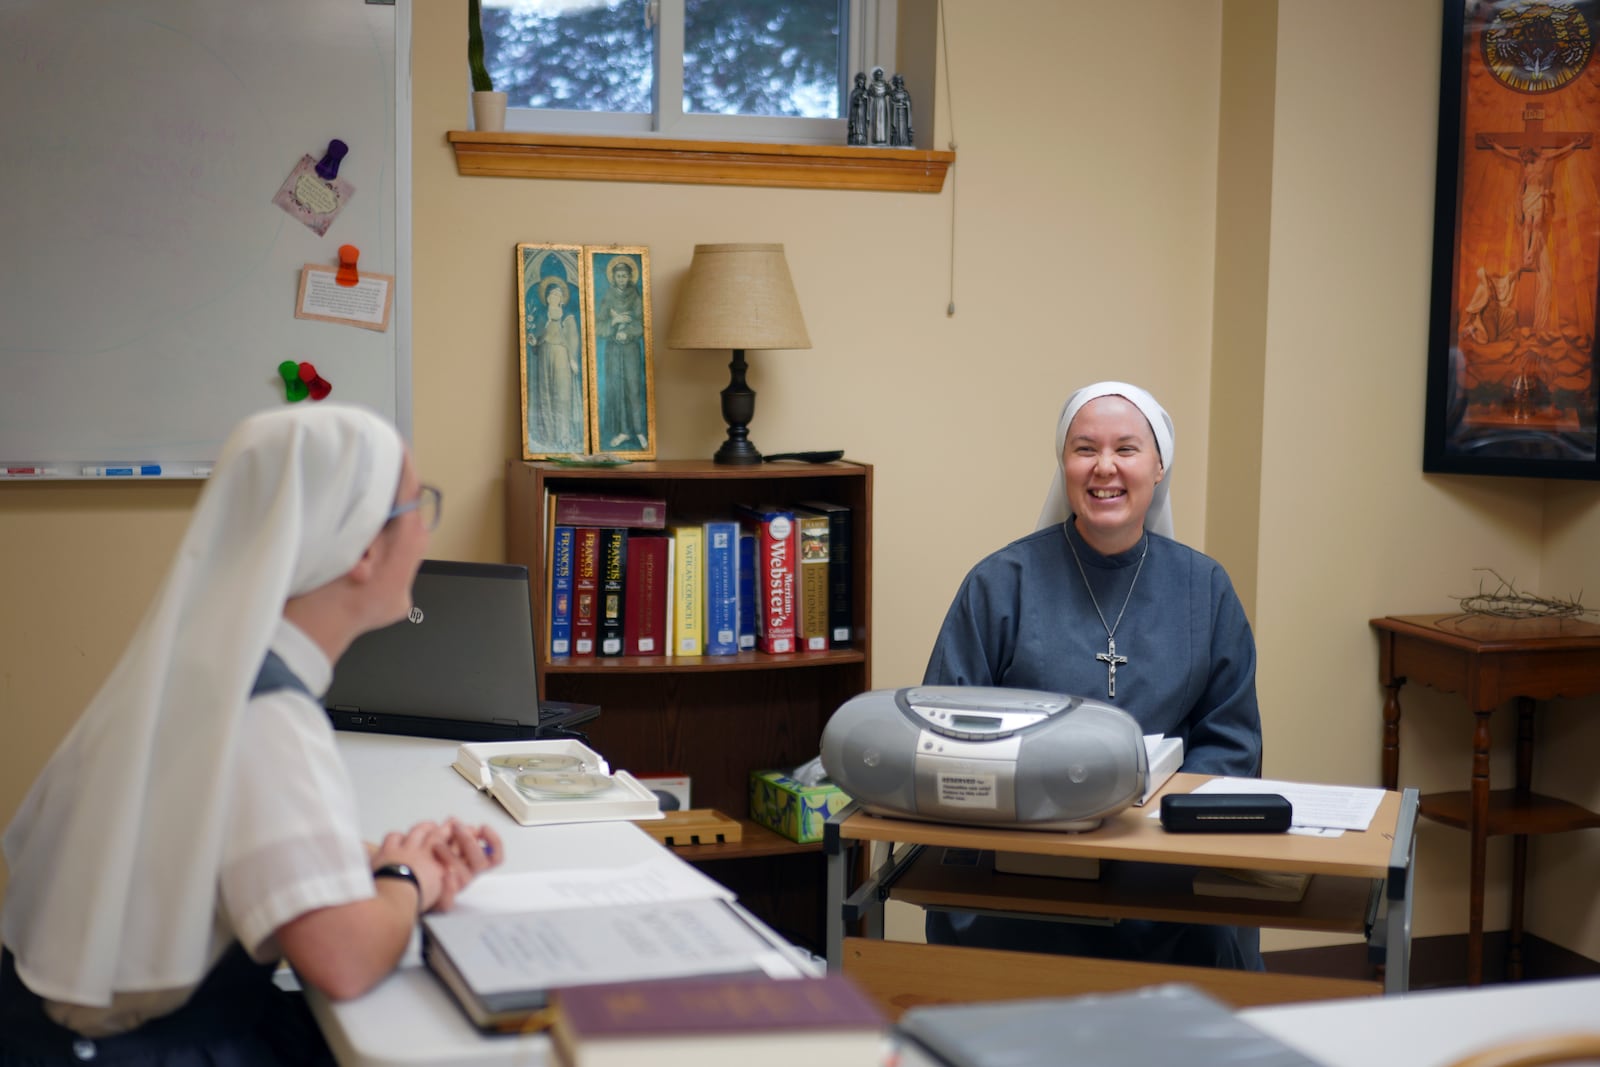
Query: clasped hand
point(445, 857)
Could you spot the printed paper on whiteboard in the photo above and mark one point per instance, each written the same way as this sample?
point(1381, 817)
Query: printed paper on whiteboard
point(365, 304)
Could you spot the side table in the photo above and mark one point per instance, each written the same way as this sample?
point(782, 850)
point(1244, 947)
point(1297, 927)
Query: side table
point(1490, 661)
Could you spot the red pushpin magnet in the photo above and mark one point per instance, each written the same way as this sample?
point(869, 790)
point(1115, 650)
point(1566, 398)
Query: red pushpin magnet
point(348, 276)
point(314, 383)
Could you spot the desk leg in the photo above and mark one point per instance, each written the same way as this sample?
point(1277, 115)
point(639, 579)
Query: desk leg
point(1391, 734)
point(1480, 844)
point(833, 926)
point(1519, 847)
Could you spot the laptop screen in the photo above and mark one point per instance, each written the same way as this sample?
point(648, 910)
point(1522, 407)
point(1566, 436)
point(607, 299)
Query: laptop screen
point(460, 667)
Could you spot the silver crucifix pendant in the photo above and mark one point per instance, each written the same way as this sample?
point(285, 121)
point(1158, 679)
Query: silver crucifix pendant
point(1110, 658)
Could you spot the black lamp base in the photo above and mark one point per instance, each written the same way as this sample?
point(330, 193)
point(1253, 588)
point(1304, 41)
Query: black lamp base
point(738, 407)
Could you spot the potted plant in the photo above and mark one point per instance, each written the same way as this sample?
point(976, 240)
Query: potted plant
point(488, 106)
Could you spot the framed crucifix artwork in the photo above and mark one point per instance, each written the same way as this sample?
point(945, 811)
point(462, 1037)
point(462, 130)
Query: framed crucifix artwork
point(1512, 388)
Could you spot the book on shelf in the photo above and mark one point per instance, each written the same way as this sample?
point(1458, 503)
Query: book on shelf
point(1171, 1023)
point(585, 589)
point(720, 1022)
point(773, 527)
point(688, 589)
point(721, 553)
point(811, 582)
point(841, 617)
point(502, 966)
point(604, 509)
point(644, 611)
point(613, 563)
point(747, 590)
point(1287, 886)
point(545, 782)
point(560, 591)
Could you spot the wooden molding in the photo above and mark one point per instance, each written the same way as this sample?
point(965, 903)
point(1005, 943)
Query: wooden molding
point(652, 159)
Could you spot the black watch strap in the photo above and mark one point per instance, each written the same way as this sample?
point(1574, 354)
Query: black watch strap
point(400, 870)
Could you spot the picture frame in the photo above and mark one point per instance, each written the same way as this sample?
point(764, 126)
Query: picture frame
point(620, 356)
point(553, 335)
point(1511, 381)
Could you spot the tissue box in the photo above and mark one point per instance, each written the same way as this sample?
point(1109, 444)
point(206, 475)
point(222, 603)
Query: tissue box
point(796, 811)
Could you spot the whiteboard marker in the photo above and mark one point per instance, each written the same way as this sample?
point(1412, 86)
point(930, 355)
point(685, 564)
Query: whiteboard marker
point(38, 472)
point(146, 470)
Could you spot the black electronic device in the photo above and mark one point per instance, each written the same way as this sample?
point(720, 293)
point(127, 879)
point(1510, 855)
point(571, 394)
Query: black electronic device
point(1226, 813)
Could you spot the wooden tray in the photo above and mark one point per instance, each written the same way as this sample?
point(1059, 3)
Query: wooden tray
point(697, 826)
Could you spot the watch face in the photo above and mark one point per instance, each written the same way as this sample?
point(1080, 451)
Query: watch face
point(1537, 47)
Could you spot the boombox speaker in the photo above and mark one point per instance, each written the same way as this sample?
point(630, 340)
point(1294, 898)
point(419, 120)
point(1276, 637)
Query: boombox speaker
point(1016, 758)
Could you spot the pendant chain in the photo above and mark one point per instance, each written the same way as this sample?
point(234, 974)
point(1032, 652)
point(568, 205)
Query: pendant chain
point(1109, 657)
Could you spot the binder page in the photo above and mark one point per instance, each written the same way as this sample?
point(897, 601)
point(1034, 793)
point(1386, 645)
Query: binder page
point(1334, 807)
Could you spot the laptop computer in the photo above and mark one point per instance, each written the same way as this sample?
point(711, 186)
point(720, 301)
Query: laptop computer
point(461, 667)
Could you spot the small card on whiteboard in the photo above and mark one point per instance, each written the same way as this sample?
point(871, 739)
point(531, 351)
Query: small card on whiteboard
point(365, 304)
point(310, 198)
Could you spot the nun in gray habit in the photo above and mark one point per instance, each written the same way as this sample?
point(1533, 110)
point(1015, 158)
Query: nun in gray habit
point(1102, 574)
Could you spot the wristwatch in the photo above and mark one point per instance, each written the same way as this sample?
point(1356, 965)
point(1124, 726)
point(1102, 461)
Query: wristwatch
point(400, 870)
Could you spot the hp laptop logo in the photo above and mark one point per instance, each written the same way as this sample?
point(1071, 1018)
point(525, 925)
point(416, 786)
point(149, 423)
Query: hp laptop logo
point(416, 614)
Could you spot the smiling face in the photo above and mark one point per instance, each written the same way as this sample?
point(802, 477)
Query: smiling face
point(1112, 467)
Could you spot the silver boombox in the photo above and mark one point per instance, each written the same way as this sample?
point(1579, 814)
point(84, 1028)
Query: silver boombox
point(1018, 758)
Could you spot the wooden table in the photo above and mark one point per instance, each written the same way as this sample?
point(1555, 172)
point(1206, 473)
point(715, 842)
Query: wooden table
point(1355, 874)
point(1490, 661)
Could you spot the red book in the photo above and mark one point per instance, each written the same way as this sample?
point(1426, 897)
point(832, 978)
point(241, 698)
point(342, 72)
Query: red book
point(644, 615)
point(585, 591)
point(600, 509)
point(775, 575)
point(728, 1020)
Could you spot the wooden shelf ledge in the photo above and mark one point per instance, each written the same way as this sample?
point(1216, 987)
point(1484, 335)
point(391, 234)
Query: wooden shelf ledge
point(1510, 814)
point(654, 159)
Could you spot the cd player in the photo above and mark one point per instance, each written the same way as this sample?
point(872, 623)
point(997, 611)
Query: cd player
point(1018, 758)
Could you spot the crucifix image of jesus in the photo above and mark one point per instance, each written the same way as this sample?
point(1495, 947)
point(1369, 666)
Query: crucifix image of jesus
point(1534, 195)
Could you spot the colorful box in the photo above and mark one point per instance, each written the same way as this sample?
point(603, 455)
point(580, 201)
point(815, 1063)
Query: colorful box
point(791, 808)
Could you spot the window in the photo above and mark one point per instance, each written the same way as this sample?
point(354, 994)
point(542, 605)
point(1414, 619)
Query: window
point(736, 70)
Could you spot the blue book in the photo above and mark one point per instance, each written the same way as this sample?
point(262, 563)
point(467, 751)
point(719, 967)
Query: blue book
point(722, 588)
point(561, 591)
point(747, 591)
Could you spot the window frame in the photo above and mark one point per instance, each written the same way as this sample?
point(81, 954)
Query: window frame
point(870, 26)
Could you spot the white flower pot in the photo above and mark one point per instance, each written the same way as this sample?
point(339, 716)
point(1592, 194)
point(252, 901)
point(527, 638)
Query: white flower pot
point(488, 112)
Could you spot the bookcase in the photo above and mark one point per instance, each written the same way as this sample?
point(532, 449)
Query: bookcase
point(713, 718)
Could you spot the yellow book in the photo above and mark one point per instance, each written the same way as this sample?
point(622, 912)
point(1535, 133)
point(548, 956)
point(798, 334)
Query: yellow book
point(688, 589)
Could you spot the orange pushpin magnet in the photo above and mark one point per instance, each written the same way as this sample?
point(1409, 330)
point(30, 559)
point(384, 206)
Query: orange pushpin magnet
point(348, 276)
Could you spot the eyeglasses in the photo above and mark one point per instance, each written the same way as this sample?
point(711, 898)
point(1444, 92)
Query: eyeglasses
point(429, 504)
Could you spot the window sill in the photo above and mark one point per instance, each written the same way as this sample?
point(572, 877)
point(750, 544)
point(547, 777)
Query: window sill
point(650, 159)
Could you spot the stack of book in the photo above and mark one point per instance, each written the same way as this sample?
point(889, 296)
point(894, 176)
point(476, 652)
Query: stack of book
point(627, 579)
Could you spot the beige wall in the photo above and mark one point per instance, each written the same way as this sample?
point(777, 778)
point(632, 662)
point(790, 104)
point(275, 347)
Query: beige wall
point(1085, 203)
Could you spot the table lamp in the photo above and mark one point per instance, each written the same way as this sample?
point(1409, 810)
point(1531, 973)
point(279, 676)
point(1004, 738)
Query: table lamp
point(738, 297)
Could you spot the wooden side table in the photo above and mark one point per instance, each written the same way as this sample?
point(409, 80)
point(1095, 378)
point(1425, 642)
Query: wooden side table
point(1490, 661)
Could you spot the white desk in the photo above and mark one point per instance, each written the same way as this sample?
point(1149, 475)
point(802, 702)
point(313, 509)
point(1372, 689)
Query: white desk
point(1431, 1028)
point(410, 1019)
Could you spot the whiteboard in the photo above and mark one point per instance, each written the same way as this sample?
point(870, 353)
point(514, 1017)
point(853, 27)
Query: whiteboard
point(148, 281)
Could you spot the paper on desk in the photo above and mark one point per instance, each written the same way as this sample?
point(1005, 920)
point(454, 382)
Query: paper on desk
point(641, 883)
point(1335, 807)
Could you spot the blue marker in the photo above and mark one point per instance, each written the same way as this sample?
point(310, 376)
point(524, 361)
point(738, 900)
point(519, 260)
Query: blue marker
point(147, 470)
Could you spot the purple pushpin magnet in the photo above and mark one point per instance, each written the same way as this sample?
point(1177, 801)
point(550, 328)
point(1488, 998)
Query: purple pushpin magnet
point(328, 166)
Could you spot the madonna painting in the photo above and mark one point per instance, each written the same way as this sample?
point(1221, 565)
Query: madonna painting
point(555, 386)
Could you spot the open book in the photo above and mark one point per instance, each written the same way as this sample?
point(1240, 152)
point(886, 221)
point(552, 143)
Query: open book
point(542, 782)
point(501, 966)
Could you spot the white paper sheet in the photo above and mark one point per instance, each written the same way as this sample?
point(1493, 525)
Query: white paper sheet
point(643, 883)
point(1335, 807)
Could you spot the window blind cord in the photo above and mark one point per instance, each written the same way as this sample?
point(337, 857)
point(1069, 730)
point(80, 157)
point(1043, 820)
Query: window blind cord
point(950, 110)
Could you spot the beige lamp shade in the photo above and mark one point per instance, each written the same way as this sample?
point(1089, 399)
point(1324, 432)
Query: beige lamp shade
point(738, 296)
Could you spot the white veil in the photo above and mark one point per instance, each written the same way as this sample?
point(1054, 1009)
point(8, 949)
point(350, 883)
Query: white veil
point(1159, 518)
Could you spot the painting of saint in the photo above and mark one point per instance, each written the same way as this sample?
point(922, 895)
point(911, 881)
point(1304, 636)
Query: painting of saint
point(555, 386)
point(621, 370)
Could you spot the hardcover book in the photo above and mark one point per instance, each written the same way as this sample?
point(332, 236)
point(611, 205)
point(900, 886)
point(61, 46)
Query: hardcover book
point(585, 589)
point(613, 561)
point(688, 590)
point(747, 590)
point(811, 583)
point(775, 573)
point(841, 619)
point(561, 591)
point(720, 1022)
point(602, 509)
point(722, 587)
point(644, 612)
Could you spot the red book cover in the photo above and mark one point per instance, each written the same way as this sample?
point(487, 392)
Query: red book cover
point(585, 591)
point(775, 576)
point(644, 614)
point(601, 509)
